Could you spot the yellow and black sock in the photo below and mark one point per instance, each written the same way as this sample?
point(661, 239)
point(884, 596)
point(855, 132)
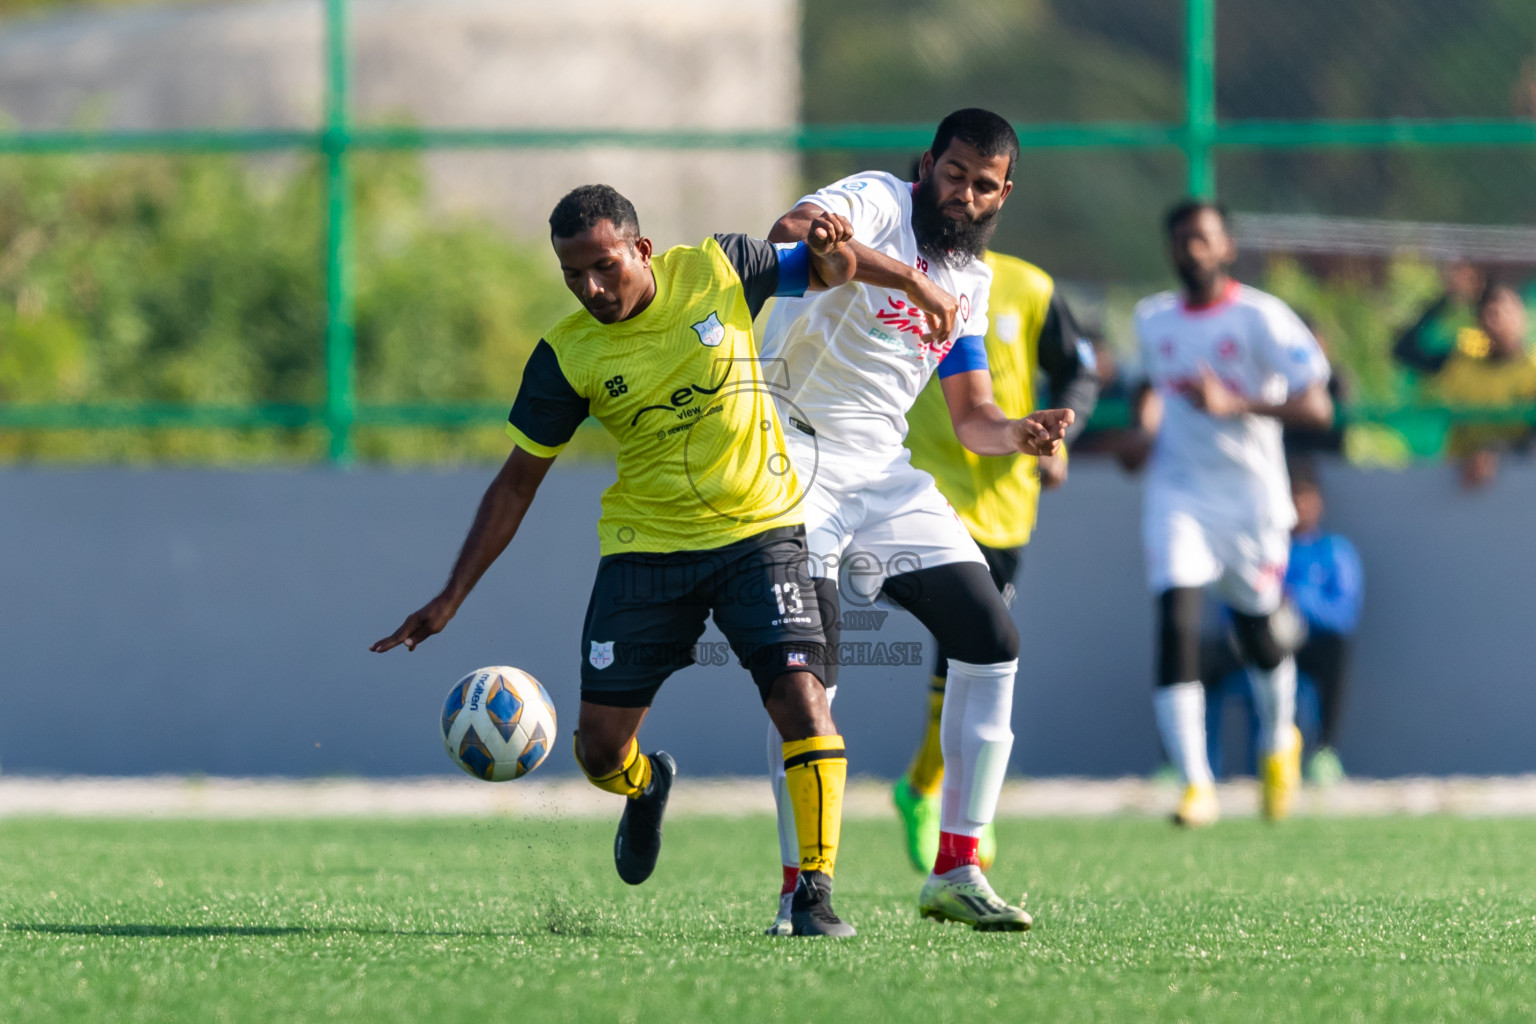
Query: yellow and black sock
point(926, 773)
point(817, 771)
point(629, 780)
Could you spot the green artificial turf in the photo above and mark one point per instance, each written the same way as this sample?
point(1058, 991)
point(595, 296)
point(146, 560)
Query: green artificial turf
point(505, 921)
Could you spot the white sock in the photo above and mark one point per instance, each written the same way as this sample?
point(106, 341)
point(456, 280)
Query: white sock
point(1274, 697)
point(976, 737)
point(789, 841)
point(1180, 711)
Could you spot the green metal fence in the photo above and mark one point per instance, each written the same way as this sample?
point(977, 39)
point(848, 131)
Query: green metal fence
point(1199, 137)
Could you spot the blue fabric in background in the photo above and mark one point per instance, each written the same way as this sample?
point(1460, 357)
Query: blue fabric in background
point(1326, 582)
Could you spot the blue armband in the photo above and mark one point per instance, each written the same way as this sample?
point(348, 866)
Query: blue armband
point(967, 353)
point(794, 269)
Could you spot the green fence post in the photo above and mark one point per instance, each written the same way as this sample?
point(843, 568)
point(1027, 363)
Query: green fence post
point(340, 350)
point(1200, 96)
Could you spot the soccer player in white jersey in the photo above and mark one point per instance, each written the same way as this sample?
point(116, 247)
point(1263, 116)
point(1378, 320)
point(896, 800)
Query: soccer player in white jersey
point(1226, 366)
point(844, 374)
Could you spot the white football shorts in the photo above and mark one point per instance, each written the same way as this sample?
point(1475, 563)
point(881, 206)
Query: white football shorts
point(872, 515)
point(1185, 549)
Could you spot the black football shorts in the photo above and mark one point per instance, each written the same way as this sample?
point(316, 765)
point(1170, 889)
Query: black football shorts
point(648, 611)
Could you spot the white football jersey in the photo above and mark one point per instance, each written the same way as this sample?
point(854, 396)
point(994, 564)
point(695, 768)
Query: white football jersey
point(1230, 469)
point(850, 361)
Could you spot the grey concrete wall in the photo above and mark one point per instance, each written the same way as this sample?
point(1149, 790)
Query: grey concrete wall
point(453, 63)
point(164, 621)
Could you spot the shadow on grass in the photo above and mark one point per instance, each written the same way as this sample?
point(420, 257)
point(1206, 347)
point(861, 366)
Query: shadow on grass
point(551, 917)
point(173, 931)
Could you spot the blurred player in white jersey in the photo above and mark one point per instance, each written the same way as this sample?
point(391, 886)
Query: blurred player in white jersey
point(1226, 366)
point(844, 374)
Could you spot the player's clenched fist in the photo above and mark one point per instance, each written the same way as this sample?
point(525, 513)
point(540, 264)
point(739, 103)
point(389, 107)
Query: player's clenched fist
point(940, 309)
point(1209, 394)
point(829, 237)
point(1041, 433)
point(829, 232)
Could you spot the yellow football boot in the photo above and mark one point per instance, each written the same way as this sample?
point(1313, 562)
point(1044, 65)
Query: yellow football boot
point(1282, 777)
point(1198, 808)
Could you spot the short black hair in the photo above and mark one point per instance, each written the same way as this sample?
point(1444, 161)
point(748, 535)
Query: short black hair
point(1184, 209)
point(584, 206)
point(1303, 474)
point(989, 133)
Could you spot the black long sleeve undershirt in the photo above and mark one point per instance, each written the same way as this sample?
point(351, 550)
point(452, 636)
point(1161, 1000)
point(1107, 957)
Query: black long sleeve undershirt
point(1072, 380)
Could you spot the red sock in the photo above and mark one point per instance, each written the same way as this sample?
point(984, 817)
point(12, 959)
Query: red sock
point(956, 851)
point(791, 876)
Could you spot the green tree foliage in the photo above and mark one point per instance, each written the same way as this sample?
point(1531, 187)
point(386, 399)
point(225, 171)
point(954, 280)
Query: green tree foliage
point(200, 280)
point(1092, 214)
point(22, 7)
point(1084, 214)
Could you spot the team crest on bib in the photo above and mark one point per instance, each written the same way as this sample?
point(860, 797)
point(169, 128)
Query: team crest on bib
point(602, 654)
point(1009, 326)
point(710, 330)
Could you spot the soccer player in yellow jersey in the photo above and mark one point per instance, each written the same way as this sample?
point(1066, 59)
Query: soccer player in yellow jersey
point(1031, 329)
point(703, 519)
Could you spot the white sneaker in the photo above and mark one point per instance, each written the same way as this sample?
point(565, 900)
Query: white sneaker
point(964, 895)
point(782, 925)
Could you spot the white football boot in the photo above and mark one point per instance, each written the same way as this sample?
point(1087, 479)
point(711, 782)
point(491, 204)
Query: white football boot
point(782, 925)
point(964, 895)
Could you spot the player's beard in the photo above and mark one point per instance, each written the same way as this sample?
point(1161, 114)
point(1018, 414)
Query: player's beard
point(952, 241)
point(1197, 280)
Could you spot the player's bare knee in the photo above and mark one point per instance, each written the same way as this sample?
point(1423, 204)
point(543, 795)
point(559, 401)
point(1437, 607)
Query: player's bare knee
point(599, 756)
point(797, 704)
point(603, 737)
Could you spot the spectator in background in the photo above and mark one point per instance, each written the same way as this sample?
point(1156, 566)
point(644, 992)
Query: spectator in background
point(1326, 584)
point(1497, 372)
point(1425, 347)
point(1320, 440)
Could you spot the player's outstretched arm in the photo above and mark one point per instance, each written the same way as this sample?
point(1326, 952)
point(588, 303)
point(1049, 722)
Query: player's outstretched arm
point(985, 429)
point(941, 309)
point(501, 512)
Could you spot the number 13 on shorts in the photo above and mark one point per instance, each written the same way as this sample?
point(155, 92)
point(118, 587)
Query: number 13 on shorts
point(788, 597)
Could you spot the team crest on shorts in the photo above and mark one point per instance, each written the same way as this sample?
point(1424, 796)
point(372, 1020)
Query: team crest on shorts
point(795, 659)
point(602, 654)
point(710, 330)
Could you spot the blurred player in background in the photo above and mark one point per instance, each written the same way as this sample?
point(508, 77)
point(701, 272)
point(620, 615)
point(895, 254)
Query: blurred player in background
point(1226, 365)
point(1029, 328)
point(849, 370)
point(703, 519)
point(1325, 583)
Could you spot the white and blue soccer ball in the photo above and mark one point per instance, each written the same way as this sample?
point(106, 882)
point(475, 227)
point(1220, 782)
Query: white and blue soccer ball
point(498, 723)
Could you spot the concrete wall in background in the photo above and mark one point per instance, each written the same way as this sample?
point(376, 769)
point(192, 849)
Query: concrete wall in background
point(162, 621)
point(453, 63)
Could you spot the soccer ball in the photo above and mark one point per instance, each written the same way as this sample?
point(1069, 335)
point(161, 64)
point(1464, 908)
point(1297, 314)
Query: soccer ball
point(498, 723)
